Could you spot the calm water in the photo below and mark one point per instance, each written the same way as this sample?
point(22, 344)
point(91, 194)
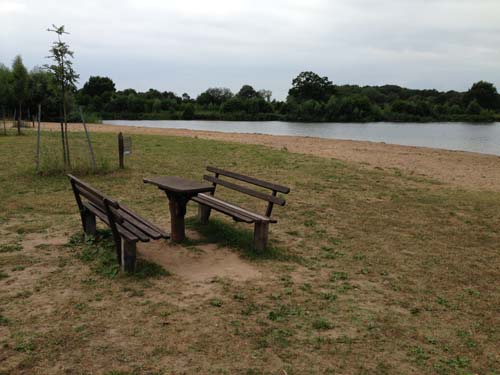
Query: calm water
point(484, 138)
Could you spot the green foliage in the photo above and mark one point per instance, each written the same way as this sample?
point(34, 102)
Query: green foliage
point(485, 93)
point(100, 253)
point(20, 80)
point(62, 67)
point(311, 98)
point(97, 86)
point(247, 92)
point(310, 86)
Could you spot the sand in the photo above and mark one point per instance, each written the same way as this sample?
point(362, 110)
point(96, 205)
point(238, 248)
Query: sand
point(467, 170)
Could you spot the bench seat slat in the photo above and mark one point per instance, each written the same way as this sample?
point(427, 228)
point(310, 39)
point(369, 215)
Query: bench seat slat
point(250, 180)
point(136, 223)
point(145, 222)
point(244, 189)
point(231, 207)
point(239, 216)
point(102, 215)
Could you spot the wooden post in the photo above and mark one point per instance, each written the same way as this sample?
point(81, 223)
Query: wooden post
point(89, 223)
point(38, 139)
point(19, 120)
point(120, 149)
point(128, 256)
point(14, 118)
point(91, 150)
point(4, 127)
point(260, 235)
point(203, 213)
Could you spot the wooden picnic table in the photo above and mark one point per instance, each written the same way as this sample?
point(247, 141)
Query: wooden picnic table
point(179, 191)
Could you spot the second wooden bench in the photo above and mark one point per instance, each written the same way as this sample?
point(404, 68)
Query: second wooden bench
point(208, 202)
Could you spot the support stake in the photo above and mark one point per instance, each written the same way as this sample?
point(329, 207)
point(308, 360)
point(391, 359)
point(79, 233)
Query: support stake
point(38, 139)
point(91, 150)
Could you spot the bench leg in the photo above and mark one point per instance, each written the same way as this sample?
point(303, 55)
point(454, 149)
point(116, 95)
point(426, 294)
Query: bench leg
point(260, 236)
point(203, 213)
point(128, 256)
point(89, 223)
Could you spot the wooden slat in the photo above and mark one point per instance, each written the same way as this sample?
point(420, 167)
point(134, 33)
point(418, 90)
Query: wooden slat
point(243, 189)
point(224, 209)
point(102, 215)
point(92, 190)
point(253, 215)
point(90, 196)
point(144, 221)
point(136, 223)
point(250, 180)
point(136, 231)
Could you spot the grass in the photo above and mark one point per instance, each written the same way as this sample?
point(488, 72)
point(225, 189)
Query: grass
point(369, 272)
point(100, 253)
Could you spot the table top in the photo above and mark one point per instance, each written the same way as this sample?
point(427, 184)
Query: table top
point(178, 184)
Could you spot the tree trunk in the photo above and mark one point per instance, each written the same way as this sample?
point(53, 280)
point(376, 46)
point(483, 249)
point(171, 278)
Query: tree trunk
point(19, 120)
point(66, 131)
point(4, 127)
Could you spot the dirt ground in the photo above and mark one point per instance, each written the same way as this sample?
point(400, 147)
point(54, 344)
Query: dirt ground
point(466, 170)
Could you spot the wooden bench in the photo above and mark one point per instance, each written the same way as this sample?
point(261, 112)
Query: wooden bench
point(207, 202)
point(127, 227)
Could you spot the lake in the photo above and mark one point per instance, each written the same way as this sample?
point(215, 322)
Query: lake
point(483, 138)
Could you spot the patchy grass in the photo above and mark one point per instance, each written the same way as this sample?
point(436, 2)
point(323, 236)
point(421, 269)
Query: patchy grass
point(369, 272)
point(9, 248)
point(101, 254)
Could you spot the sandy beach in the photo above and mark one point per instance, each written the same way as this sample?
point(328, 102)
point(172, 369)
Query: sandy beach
point(457, 168)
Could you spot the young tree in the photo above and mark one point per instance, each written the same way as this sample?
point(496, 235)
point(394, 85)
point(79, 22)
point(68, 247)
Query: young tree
point(5, 92)
point(66, 79)
point(20, 81)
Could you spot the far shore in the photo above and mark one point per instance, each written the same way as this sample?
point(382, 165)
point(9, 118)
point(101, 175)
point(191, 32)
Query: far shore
point(467, 170)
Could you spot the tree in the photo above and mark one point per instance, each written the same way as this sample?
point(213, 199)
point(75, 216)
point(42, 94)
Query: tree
point(266, 94)
point(189, 112)
point(474, 108)
point(65, 77)
point(97, 86)
point(310, 86)
point(214, 95)
point(247, 92)
point(20, 81)
point(485, 93)
point(5, 91)
point(40, 86)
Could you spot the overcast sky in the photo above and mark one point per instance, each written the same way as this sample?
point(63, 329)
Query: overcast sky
point(190, 45)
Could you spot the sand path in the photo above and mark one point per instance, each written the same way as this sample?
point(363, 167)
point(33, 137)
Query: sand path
point(460, 169)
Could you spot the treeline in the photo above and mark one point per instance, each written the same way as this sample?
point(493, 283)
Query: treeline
point(310, 99)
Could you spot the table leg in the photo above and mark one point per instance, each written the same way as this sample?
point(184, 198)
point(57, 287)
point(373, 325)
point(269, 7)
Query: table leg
point(177, 206)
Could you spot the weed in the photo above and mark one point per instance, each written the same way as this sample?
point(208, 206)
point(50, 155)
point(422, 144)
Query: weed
point(4, 321)
point(10, 248)
point(337, 276)
point(322, 324)
point(215, 302)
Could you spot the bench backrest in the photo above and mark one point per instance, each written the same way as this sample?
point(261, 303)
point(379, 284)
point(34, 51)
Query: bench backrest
point(107, 205)
point(271, 198)
point(82, 189)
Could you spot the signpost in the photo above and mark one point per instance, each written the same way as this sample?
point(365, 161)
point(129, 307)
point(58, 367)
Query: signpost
point(124, 148)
